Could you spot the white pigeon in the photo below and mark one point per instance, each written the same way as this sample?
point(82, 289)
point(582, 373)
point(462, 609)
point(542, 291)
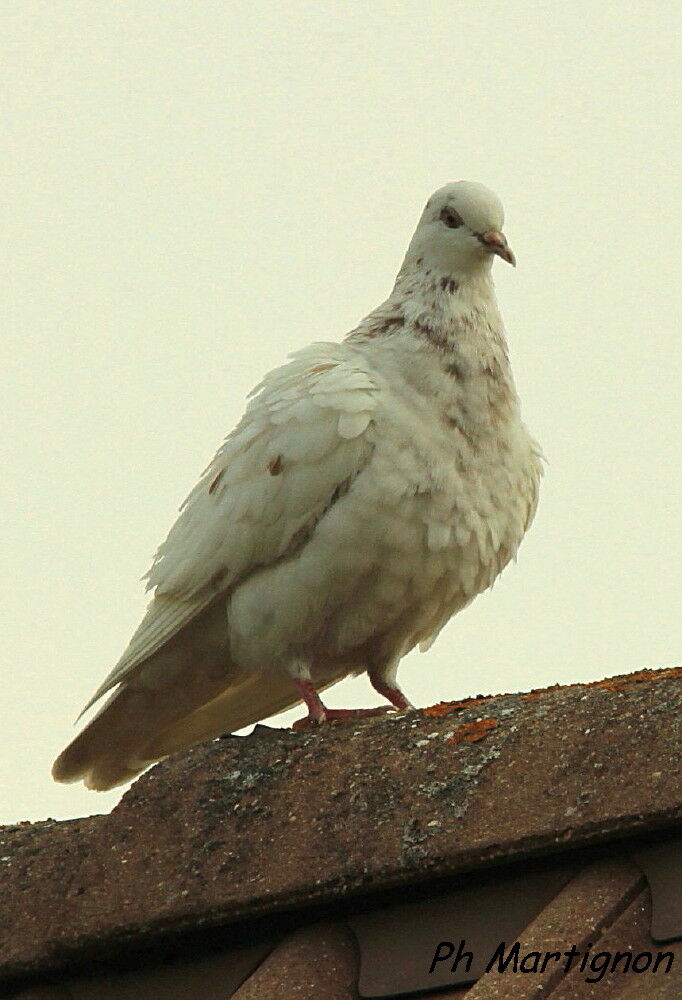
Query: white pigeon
point(371, 490)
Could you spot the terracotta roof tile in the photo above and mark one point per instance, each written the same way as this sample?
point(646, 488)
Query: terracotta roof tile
point(661, 865)
point(483, 913)
point(315, 963)
point(630, 932)
point(242, 827)
point(37, 862)
point(589, 903)
point(44, 993)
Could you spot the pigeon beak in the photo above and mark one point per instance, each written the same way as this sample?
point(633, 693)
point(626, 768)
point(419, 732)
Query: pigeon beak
point(497, 243)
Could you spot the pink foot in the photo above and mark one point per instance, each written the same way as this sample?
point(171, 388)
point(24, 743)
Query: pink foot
point(317, 713)
point(340, 715)
point(391, 693)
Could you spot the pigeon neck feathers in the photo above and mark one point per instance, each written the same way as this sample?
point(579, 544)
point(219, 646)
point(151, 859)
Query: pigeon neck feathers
point(446, 337)
point(434, 306)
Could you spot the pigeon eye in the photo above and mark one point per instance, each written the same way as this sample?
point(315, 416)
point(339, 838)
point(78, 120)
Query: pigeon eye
point(451, 219)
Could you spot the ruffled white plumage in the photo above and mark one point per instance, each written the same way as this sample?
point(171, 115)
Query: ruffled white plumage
point(306, 420)
point(370, 491)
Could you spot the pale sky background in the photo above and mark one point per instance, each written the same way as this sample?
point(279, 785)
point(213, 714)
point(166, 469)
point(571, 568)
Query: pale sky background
point(192, 190)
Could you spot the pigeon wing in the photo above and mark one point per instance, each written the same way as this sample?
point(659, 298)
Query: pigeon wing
point(303, 436)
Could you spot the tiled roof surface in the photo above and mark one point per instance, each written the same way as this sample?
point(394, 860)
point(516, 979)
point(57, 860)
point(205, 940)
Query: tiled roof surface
point(243, 828)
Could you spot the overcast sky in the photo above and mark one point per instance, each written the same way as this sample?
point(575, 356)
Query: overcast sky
point(192, 190)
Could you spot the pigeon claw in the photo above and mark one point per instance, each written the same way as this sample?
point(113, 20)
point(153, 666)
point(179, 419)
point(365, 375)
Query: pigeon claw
point(340, 715)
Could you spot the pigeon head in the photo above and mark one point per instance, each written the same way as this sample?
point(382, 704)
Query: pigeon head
point(461, 230)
